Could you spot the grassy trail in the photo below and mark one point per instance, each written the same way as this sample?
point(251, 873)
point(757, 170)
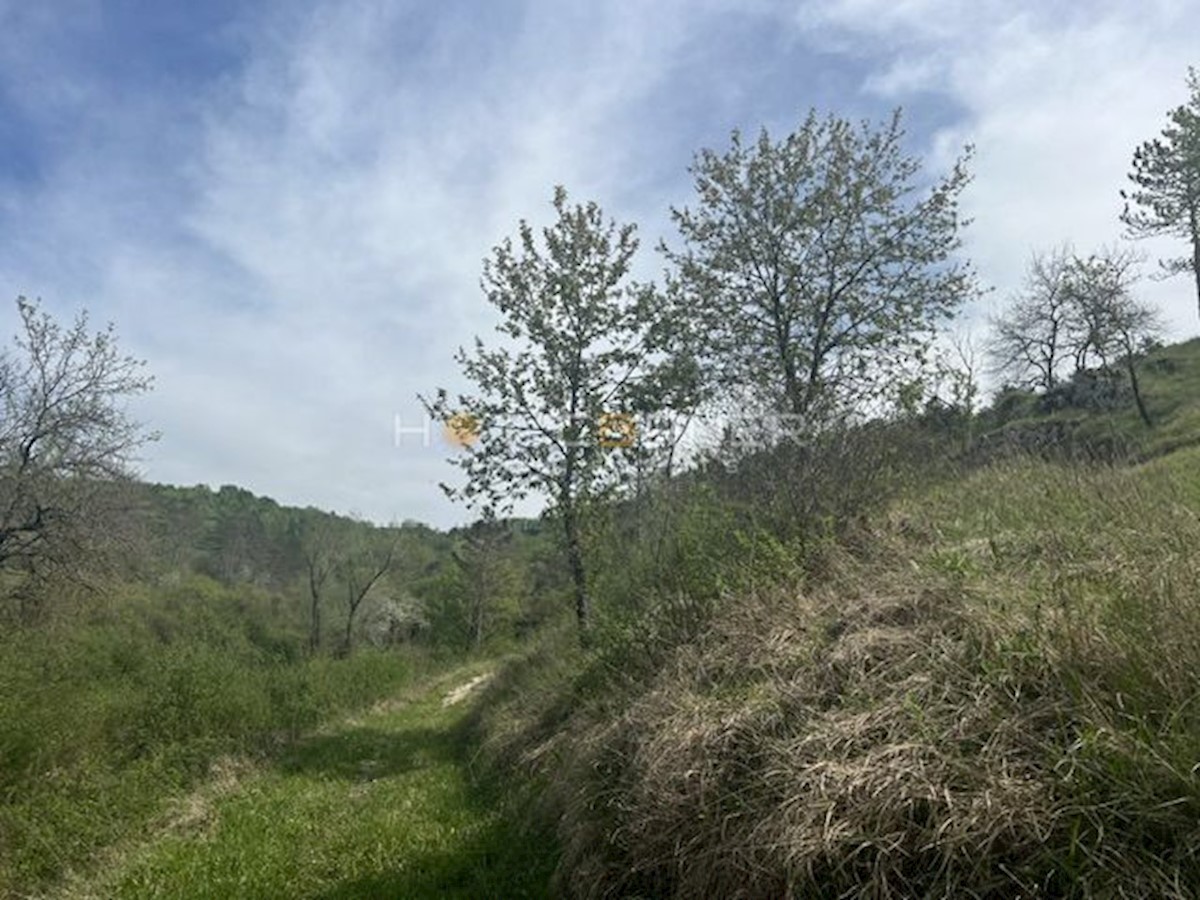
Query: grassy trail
point(375, 806)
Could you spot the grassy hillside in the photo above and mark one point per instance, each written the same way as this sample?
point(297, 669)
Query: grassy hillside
point(938, 656)
point(1078, 415)
point(985, 687)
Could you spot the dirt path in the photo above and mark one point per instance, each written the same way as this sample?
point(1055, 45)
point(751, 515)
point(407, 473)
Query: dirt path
point(379, 805)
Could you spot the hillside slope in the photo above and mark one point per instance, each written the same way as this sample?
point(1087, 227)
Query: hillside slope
point(988, 689)
point(1091, 414)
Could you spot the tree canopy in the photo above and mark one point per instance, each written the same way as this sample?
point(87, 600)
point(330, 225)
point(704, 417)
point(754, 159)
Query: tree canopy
point(65, 439)
point(817, 264)
point(1165, 199)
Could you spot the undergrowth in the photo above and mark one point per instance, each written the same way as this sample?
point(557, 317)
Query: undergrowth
point(994, 695)
point(103, 718)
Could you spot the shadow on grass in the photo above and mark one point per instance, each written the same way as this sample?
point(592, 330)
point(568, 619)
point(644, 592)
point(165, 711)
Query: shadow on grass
point(505, 860)
point(508, 857)
point(363, 753)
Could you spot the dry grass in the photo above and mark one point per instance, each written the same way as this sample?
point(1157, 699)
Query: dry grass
point(998, 702)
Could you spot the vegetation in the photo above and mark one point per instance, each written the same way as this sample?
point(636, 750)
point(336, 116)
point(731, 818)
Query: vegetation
point(107, 718)
point(65, 445)
point(1080, 312)
point(899, 646)
point(884, 660)
point(1009, 665)
point(814, 270)
point(380, 805)
point(193, 662)
point(1166, 175)
point(590, 351)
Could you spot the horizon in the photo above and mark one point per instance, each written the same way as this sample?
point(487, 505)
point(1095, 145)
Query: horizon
point(283, 208)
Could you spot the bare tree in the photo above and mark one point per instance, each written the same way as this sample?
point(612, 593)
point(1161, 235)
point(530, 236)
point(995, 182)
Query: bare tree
point(1033, 339)
point(1096, 288)
point(66, 440)
point(955, 390)
point(1116, 326)
point(1079, 311)
point(366, 560)
point(318, 546)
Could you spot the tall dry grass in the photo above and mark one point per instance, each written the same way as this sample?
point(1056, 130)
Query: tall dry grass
point(997, 697)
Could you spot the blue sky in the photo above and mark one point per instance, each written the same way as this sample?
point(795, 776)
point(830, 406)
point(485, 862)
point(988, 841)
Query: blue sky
point(283, 206)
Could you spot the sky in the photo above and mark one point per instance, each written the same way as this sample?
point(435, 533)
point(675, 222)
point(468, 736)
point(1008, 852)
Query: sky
point(283, 205)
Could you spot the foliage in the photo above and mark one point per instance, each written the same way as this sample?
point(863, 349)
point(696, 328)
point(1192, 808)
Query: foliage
point(587, 352)
point(479, 591)
point(66, 442)
point(816, 272)
point(1166, 175)
point(309, 556)
point(994, 696)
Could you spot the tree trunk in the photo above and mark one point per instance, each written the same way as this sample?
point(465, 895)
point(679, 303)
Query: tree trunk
point(1196, 254)
point(314, 607)
point(314, 624)
point(1137, 392)
point(583, 612)
point(796, 399)
point(481, 588)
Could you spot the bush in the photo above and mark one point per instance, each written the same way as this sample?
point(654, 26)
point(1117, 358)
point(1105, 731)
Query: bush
point(1088, 390)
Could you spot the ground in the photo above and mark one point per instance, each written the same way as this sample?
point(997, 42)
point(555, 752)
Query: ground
point(379, 805)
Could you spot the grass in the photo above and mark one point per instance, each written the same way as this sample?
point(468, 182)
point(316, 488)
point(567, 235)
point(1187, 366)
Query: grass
point(103, 719)
point(983, 686)
point(995, 695)
point(381, 805)
point(1170, 379)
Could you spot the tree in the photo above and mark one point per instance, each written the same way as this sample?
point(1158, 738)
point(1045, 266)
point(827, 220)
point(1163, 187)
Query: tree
point(65, 440)
point(1078, 311)
point(318, 541)
point(475, 586)
point(555, 409)
point(483, 572)
point(951, 395)
point(1116, 326)
point(367, 558)
point(816, 266)
point(1166, 175)
point(1033, 339)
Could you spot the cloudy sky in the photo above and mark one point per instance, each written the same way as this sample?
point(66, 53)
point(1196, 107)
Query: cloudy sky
point(283, 205)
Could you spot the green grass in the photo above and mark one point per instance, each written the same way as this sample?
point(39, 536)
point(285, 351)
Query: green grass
point(991, 691)
point(105, 717)
point(1170, 382)
point(381, 805)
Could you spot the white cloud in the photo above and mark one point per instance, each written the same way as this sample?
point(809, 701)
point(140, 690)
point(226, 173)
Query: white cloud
point(296, 247)
point(1055, 100)
point(321, 258)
